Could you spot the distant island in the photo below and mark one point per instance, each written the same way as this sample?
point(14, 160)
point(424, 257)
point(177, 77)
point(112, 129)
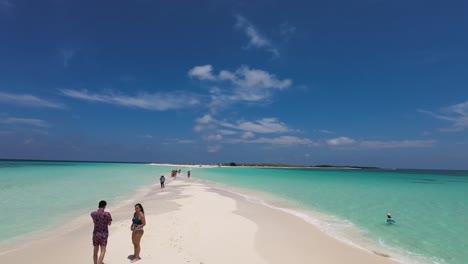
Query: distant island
point(325, 166)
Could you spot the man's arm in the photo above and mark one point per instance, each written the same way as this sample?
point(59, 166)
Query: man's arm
point(109, 222)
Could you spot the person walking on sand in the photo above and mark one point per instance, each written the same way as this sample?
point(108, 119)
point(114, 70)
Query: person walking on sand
point(101, 220)
point(162, 179)
point(138, 222)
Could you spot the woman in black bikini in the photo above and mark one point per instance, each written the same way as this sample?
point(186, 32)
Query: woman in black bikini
point(138, 222)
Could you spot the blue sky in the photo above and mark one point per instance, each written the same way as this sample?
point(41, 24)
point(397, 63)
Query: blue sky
point(366, 82)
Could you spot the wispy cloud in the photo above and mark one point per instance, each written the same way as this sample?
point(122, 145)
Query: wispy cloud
point(264, 125)
point(213, 149)
point(282, 140)
point(256, 39)
point(324, 131)
point(242, 131)
point(227, 132)
point(213, 137)
point(286, 31)
point(185, 141)
point(28, 100)
point(242, 77)
point(398, 144)
point(6, 6)
point(242, 85)
point(67, 55)
point(24, 121)
point(156, 101)
point(340, 141)
point(456, 114)
point(376, 144)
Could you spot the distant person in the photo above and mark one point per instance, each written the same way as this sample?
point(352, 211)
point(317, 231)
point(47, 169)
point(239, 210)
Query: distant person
point(179, 171)
point(389, 219)
point(101, 220)
point(138, 222)
point(162, 179)
point(188, 173)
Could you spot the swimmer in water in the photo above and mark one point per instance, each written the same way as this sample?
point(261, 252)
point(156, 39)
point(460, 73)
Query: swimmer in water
point(389, 219)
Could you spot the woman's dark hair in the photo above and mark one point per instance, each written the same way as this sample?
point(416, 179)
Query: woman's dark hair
point(141, 207)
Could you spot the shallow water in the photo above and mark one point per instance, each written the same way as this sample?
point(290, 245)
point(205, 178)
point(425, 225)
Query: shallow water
point(35, 196)
point(429, 207)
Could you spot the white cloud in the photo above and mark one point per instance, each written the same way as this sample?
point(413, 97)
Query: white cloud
point(6, 5)
point(206, 119)
point(185, 141)
point(264, 125)
point(380, 144)
point(213, 149)
point(28, 100)
point(457, 114)
point(28, 141)
point(24, 121)
point(286, 30)
point(256, 39)
point(243, 77)
point(254, 78)
point(206, 122)
point(227, 132)
point(340, 141)
point(245, 131)
point(247, 135)
point(398, 144)
point(243, 85)
point(202, 72)
point(216, 137)
point(324, 131)
point(67, 54)
point(157, 101)
point(283, 140)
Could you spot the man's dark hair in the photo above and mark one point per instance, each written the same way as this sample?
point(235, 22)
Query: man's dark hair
point(102, 204)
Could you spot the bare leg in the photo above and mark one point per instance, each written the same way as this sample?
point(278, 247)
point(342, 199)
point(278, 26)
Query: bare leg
point(95, 253)
point(101, 256)
point(136, 238)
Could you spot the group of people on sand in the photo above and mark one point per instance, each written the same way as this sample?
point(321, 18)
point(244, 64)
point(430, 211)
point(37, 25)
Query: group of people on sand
point(102, 220)
point(175, 172)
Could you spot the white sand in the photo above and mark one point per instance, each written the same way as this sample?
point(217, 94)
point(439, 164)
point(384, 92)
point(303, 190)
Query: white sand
point(188, 222)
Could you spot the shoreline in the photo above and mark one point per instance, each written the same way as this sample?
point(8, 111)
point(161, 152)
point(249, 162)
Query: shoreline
point(189, 212)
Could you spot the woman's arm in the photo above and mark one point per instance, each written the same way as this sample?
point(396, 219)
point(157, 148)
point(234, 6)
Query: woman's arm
point(143, 220)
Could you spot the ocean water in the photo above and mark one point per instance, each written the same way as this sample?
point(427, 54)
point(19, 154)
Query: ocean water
point(36, 196)
point(429, 207)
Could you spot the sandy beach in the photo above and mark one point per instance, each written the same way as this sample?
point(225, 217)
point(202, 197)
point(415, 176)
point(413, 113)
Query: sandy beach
point(190, 222)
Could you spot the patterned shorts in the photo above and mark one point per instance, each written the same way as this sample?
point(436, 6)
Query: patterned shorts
point(100, 239)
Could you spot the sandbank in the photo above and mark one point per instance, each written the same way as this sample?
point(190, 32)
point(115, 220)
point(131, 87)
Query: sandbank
point(191, 222)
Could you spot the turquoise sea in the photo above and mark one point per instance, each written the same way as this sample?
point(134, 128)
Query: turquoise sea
point(36, 196)
point(429, 207)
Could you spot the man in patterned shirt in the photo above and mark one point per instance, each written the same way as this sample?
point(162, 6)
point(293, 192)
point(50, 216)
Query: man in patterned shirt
point(101, 221)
